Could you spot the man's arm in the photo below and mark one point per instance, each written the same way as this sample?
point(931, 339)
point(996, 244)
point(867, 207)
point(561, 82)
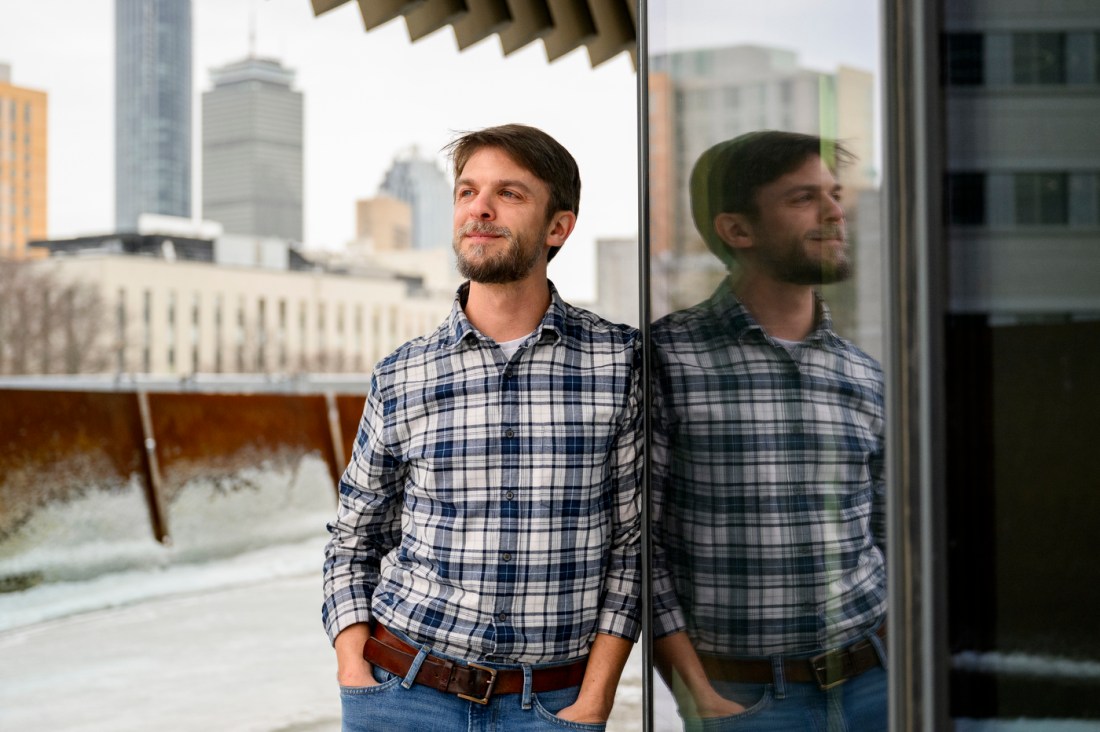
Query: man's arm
point(620, 603)
point(680, 667)
point(620, 614)
point(351, 668)
point(606, 660)
point(366, 528)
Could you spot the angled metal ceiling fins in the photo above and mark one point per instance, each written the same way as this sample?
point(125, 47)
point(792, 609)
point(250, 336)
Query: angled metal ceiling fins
point(605, 28)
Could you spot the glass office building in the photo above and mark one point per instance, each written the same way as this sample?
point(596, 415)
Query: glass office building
point(152, 109)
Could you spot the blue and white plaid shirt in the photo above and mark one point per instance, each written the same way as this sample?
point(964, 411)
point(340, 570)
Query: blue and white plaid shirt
point(491, 508)
point(768, 485)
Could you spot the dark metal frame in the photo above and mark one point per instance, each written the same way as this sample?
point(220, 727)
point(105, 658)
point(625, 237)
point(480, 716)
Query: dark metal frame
point(916, 285)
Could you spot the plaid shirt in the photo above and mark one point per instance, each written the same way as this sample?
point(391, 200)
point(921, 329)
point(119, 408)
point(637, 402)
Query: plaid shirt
point(768, 485)
point(491, 508)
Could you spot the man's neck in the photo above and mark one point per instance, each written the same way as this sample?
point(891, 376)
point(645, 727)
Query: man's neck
point(782, 309)
point(510, 311)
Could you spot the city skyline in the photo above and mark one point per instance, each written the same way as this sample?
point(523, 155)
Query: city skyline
point(359, 112)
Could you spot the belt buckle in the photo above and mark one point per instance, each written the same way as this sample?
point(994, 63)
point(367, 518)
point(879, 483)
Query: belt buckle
point(488, 691)
point(821, 666)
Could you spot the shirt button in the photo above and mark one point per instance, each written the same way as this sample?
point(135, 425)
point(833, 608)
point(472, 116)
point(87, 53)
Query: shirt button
point(509, 434)
point(506, 556)
point(502, 616)
point(510, 495)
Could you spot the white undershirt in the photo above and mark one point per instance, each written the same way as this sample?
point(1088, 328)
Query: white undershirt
point(791, 346)
point(510, 347)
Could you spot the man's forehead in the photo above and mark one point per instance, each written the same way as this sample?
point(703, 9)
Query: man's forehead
point(495, 164)
point(811, 171)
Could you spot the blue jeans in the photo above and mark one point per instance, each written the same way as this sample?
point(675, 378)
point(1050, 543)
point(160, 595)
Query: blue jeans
point(857, 705)
point(391, 707)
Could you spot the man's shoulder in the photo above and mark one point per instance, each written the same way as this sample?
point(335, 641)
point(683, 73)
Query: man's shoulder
point(586, 325)
point(693, 323)
point(857, 355)
point(414, 352)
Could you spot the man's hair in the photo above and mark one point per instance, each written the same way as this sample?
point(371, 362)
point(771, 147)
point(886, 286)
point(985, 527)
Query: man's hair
point(532, 149)
point(727, 177)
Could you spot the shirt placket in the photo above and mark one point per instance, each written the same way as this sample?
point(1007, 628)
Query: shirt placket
point(508, 566)
point(802, 560)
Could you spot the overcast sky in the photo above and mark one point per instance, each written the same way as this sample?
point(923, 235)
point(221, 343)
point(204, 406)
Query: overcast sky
point(370, 95)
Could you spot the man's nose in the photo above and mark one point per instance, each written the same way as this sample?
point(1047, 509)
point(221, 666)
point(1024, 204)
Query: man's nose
point(481, 208)
point(831, 210)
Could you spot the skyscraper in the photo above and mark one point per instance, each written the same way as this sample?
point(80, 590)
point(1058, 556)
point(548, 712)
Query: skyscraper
point(420, 183)
point(152, 109)
point(22, 166)
point(252, 150)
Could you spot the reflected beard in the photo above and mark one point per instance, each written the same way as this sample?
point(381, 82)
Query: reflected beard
point(510, 265)
point(796, 267)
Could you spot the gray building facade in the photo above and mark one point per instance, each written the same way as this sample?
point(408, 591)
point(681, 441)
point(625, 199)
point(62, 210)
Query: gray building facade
point(152, 109)
point(420, 183)
point(252, 148)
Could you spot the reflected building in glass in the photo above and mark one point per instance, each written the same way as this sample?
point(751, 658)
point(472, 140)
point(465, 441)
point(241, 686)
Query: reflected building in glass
point(1021, 84)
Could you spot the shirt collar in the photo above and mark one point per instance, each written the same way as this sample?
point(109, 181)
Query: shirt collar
point(460, 330)
point(740, 324)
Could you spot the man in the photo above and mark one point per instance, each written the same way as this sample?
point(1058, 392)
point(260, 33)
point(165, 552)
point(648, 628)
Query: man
point(483, 570)
point(770, 574)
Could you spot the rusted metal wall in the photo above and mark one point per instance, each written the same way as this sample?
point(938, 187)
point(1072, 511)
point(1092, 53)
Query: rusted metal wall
point(57, 445)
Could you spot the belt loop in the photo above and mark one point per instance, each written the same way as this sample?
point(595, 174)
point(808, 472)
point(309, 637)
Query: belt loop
point(528, 687)
point(880, 648)
point(414, 668)
point(778, 677)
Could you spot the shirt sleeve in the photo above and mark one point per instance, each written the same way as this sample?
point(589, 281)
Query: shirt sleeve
point(878, 487)
point(668, 617)
point(367, 524)
point(620, 609)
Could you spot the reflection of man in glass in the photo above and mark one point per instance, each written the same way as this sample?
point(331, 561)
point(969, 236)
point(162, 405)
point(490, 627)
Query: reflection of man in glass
point(768, 460)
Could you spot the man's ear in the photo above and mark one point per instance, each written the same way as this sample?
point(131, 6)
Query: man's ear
point(561, 226)
point(734, 229)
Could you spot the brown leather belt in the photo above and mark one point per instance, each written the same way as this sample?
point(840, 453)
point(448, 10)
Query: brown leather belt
point(471, 681)
point(827, 670)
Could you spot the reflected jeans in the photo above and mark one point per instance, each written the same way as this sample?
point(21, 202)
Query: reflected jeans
point(391, 707)
point(857, 705)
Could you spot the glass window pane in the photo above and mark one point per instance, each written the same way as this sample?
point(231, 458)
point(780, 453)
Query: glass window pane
point(767, 398)
point(964, 63)
point(1022, 334)
point(1039, 58)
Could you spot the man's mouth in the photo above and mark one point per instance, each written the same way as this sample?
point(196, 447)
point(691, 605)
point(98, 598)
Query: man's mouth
point(483, 231)
point(829, 234)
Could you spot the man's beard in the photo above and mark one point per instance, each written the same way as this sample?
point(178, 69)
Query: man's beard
point(510, 265)
point(794, 266)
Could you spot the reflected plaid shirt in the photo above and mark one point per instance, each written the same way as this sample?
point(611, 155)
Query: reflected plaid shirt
point(491, 506)
point(768, 485)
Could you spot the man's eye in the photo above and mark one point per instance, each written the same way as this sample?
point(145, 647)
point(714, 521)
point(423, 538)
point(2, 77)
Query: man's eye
point(509, 194)
point(465, 193)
